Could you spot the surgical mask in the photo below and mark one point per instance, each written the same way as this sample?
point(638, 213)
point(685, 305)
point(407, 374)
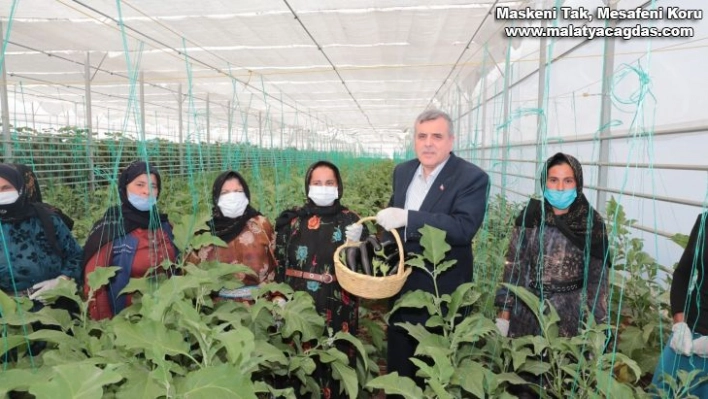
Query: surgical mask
point(142, 203)
point(560, 199)
point(9, 197)
point(232, 205)
point(323, 195)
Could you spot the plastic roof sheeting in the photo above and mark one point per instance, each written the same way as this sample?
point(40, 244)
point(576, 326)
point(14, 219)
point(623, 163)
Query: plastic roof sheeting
point(391, 57)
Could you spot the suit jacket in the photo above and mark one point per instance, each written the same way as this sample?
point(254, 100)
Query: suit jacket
point(456, 203)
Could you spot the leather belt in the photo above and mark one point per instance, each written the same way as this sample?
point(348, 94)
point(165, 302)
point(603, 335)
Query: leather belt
point(325, 278)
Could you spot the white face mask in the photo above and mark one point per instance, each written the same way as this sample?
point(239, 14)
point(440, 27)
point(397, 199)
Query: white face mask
point(233, 205)
point(9, 197)
point(323, 195)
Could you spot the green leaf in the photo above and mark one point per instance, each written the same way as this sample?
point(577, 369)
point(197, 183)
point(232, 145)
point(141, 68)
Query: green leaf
point(141, 383)
point(622, 359)
point(680, 239)
point(21, 379)
point(630, 340)
point(347, 376)
point(100, 276)
point(239, 344)
point(470, 376)
point(299, 315)
point(76, 381)
point(7, 304)
point(414, 299)
point(216, 382)
point(352, 340)
point(611, 388)
point(511, 378)
point(393, 384)
point(442, 267)
point(519, 356)
point(534, 367)
point(149, 334)
point(56, 337)
point(266, 354)
point(435, 321)
point(462, 296)
point(434, 245)
point(206, 239)
point(303, 363)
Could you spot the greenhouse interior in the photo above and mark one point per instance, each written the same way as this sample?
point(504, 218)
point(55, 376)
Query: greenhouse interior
point(314, 111)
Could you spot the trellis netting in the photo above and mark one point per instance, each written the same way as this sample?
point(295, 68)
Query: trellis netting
point(268, 87)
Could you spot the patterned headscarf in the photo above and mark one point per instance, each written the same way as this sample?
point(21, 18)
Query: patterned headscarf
point(582, 225)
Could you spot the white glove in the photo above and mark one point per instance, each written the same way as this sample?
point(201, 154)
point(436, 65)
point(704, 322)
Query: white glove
point(280, 301)
point(43, 286)
point(353, 232)
point(503, 326)
point(682, 339)
point(700, 346)
point(392, 218)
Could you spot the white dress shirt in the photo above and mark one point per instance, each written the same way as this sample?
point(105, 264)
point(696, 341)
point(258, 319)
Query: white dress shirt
point(419, 186)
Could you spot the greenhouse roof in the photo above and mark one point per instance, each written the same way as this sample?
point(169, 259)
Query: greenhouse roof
point(362, 68)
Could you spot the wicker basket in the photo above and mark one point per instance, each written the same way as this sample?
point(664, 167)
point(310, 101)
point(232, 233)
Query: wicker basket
point(371, 287)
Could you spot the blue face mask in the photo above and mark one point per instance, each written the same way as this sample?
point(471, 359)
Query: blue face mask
point(142, 203)
point(560, 199)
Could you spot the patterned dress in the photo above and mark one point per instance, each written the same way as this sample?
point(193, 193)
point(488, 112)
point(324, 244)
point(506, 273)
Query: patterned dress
point(32, 258)
point(307, 244)
point(560, 265)
point(254, 247)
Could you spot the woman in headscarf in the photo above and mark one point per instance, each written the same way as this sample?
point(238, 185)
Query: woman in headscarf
point(37, 249)
point(558, 251)
point(131, 235)
point(687, 347)
point(34, 193)
point(248, 234)
point(307, 237)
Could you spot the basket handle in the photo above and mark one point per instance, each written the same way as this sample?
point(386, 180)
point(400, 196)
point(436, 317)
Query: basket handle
point(399, 243)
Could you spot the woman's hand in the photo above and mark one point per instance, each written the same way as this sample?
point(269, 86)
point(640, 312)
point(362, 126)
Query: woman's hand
point(43, 286)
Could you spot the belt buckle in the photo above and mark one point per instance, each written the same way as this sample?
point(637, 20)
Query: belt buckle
point(327, 278)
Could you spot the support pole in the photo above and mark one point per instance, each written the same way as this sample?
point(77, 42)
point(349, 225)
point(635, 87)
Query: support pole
point(180, 129)
point(142, 108)
point(89, 118)
point(608, 66)
point(7, 142)
point(541, 131)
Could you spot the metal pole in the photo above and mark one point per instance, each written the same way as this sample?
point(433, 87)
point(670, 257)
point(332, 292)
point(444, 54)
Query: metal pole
point(541, 131)
point(142, 107)
point(7, 144)
point(260, 129)
point(507, 123)
point(208, 126)
point(89, 117)
point(208, 132)
point(608, 65)
point(180, 129)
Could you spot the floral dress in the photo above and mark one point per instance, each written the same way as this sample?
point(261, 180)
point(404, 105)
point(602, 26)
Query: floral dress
point(307, 244)
point(562, 266)
point(252, 247)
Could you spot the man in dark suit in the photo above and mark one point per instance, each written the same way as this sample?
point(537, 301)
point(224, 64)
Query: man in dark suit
point(443, 191)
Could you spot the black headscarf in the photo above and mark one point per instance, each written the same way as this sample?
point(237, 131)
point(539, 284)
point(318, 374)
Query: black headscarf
point(310, 208)
point(582, 225)
point(223, 227)
point(24, 209)
point(34, 193)
point(122, 219)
